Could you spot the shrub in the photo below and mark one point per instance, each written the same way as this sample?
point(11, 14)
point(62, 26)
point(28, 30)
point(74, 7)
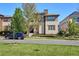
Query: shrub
point(61, 33)
point(3, 33)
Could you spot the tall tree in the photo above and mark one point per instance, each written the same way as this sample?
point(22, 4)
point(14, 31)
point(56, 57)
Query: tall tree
point(29, 13)
point(36, 22)
point(18, 22)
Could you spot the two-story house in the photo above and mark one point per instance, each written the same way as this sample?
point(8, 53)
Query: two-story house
point(48, 23)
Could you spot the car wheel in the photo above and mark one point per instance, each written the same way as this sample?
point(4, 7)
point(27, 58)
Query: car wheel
point(19, 38)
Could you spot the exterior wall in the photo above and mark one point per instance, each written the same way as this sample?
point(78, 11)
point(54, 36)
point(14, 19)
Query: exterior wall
point(41, 26)
point(51, 23)
point(4, 24)
point(0, 24)
point(63, 26)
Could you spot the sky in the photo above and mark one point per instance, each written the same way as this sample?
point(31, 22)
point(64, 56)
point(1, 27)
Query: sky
point(63, 9)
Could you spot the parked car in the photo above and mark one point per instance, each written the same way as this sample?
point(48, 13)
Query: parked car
point(12, 35)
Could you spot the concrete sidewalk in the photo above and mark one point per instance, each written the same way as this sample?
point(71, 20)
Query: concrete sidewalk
point(62, 42)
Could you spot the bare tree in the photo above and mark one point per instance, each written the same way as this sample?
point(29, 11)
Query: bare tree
point(31, 15)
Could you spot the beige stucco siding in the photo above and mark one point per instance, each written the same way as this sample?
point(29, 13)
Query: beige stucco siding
point(51, 23)
point(5, 24)
point(0, 24)
point(41, 28)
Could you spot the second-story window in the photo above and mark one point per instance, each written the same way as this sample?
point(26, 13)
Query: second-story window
point(51, 18)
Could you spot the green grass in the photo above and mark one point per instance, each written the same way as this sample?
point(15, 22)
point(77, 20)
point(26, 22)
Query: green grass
point(38, 50)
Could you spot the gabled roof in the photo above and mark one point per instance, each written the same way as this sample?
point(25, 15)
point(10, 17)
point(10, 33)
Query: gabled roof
point(71, 15)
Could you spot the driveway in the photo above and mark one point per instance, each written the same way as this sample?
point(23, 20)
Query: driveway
point(61, 42)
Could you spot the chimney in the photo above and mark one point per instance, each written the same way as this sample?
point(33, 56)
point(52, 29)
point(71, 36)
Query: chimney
point(46, 11)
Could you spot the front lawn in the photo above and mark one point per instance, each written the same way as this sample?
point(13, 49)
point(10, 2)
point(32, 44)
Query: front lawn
point(37, 50)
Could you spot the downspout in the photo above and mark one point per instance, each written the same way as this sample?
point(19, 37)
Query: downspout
point(44, 26)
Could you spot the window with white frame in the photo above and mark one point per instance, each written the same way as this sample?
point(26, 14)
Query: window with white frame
point(51, 27)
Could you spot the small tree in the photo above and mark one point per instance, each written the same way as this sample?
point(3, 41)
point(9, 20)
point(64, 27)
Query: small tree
point(71, 26)
point(18, 22)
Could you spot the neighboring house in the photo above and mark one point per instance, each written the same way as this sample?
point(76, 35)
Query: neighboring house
point(4, 23)
point(48, 23)
point(73, 16)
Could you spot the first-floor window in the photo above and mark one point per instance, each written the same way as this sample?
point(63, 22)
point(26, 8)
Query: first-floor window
point(51, 27)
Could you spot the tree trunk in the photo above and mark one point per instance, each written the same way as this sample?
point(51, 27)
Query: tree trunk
point(28, 31)
point(35, 31)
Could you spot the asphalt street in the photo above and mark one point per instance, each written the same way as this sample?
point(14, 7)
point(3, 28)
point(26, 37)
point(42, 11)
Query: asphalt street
point(61, 42)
